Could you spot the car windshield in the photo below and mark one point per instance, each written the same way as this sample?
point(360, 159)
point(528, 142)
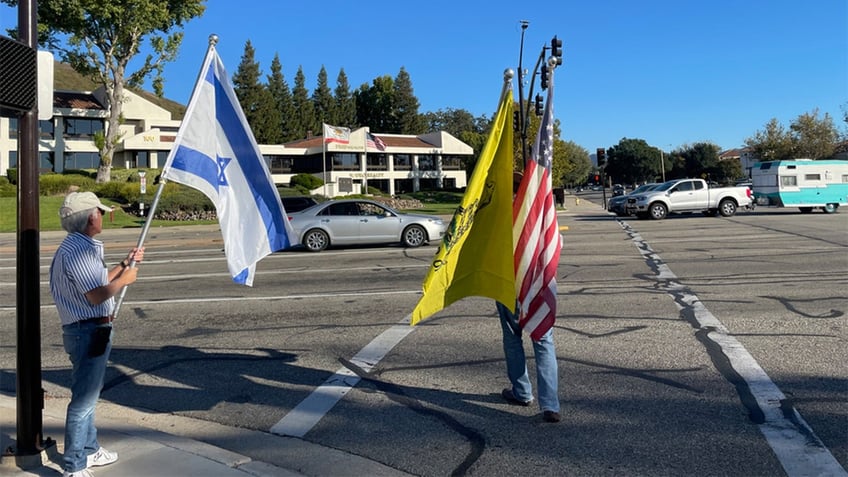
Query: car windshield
point(644, 188)
point(666, 185)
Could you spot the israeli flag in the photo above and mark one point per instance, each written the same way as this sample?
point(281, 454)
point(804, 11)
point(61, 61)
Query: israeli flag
point(215, 152)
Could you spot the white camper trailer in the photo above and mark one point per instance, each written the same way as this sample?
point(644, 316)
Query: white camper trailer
point(801, 183)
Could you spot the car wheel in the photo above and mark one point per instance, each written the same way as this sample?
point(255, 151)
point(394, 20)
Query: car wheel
point(658, 211)
point(830, 208)
point(414, 236)
point(316, 240)
point(727, 208)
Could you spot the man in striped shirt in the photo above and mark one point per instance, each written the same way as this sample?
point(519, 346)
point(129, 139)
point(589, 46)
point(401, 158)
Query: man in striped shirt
point(83, 288)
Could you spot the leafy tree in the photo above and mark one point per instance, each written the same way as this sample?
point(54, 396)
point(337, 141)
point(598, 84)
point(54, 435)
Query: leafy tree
point(812, 137)
point(375, 105)
point(282, 99)
point(701, 160)
point(406, 106)
point(633, 161)
point(452, 121)
point(344, 111)
point(304, 114)
point(100, 38)
point(322, 102)
point(577, 164)
point(807, 137)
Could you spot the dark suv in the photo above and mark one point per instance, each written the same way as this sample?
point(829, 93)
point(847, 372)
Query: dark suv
point(296, 203)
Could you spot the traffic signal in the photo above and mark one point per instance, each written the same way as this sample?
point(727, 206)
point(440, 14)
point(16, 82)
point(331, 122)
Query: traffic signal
point(539, 109)
point(556, 49)
point(544, 76)
point(602, 156)
point(597, 179)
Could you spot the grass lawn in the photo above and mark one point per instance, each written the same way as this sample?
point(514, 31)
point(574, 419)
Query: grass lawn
point(48, 215)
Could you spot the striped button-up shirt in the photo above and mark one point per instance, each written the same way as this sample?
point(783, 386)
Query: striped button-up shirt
point(78, 267)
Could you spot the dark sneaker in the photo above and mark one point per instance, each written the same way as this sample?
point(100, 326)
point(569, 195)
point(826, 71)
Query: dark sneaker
point(551, 416)
point(510, 398)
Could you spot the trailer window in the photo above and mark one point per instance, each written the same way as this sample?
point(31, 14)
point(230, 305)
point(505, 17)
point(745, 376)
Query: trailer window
point(845, 178)
point(812, 177)
point(788, 181)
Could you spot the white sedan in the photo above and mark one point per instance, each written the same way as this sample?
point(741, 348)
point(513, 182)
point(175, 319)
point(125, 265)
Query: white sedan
point(361, 221)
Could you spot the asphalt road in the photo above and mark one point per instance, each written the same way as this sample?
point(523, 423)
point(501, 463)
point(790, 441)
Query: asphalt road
point(689, 346)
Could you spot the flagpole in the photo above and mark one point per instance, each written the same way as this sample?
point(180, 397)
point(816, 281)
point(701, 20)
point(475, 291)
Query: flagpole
point(365, 162)
point(324, 156)
point(213, 40)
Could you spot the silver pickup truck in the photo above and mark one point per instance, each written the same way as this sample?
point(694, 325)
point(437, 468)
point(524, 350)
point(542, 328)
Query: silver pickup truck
point(688, 195)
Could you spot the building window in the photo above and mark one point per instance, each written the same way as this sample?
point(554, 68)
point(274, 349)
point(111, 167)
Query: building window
point(140, 159)
point(81, 160)
point(403, 162)
point(426, 163)
point(279, 164)
point(13, 158)
point(345, 161)
point(46, 129)
point(377, 162)
point(788, 181)
point(13, 128)
point(46, 161)
point(82, 127)
point(453, 163)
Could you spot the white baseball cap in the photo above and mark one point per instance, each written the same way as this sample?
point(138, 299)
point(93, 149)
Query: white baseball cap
point(81, 201)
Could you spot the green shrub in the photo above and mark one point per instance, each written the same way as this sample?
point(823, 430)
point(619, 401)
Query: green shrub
point(7, 189)
point(12, 174)
point(61, 184)
point(178, 197)
point(307, 181)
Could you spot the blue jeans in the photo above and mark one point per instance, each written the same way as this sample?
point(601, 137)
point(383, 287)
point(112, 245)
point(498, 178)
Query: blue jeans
point(547, 375)
point(86, 383)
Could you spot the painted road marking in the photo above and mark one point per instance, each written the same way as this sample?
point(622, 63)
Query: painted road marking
point(799, 450)
point(306, 415)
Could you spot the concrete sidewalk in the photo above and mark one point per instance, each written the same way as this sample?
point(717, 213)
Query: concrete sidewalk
point(152, 445)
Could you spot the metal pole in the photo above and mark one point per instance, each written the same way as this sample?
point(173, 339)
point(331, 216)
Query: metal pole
point(662, 164)
point(30, 398)
point(522, 127)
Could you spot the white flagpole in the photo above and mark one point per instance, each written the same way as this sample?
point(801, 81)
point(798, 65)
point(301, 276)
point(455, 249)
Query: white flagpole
point(324, 155)
point(365, 163)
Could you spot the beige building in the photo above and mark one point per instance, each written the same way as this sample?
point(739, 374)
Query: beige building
point(402, 163)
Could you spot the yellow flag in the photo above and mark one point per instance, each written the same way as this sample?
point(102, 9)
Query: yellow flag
point(475, 256)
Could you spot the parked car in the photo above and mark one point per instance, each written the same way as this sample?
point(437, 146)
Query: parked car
point(617, 190)
point(360, 222)
point(296, 203)
point(617, 204)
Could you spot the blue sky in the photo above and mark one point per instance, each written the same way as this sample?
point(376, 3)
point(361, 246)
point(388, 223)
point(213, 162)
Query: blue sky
point(669, 72)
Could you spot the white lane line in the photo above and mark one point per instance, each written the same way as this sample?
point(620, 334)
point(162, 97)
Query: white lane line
point(243, 298)
point(799, 450)
point(306, 415)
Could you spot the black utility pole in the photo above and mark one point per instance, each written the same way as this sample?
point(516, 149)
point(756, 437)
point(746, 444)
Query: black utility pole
point(30, 398)
point(522, 120)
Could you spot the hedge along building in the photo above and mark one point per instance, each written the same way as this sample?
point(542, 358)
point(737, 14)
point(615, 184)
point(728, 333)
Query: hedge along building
point(406, 163)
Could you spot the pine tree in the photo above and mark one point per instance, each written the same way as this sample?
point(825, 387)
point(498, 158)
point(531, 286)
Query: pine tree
point(251, 94)
point(406, 106)
point(282, 99)
point(304, 114)
point(322, 101)
point(344, 112)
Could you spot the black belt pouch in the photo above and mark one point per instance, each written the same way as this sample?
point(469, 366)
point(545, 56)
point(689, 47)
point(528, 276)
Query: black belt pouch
point(99, 340)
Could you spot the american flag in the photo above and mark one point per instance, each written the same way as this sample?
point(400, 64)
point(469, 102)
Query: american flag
point(374, 142)
point(535, 233)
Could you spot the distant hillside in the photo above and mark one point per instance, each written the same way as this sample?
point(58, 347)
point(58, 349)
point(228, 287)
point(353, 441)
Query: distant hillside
point(65, 78)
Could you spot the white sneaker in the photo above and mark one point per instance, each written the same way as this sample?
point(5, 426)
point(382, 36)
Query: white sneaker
point(79, 473)
point(101, 457)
